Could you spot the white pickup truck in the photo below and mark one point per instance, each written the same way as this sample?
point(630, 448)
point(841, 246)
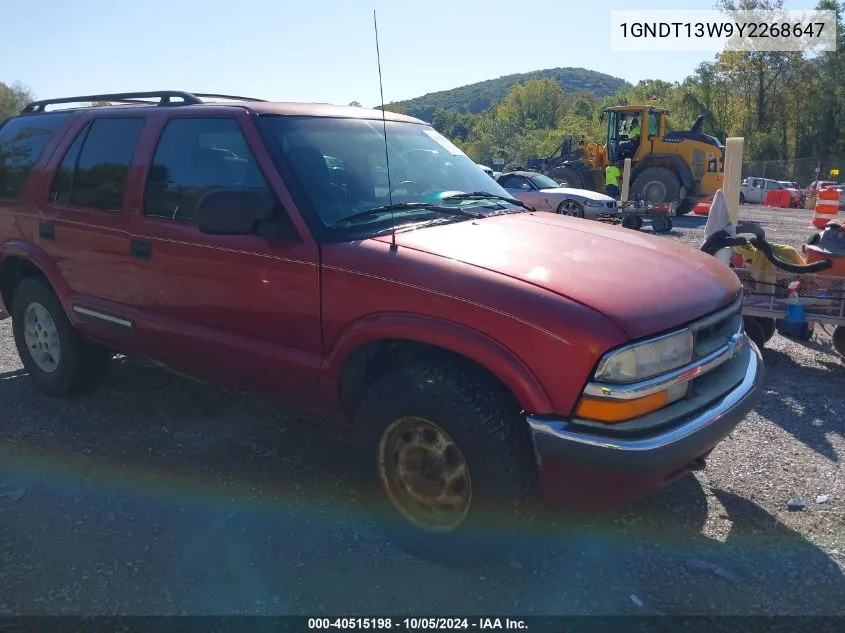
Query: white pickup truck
point(755, 190)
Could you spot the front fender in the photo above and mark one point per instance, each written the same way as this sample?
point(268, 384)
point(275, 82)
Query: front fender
point(459, 339)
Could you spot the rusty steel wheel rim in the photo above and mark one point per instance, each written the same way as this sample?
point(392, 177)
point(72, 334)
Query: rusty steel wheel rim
point(424, 474)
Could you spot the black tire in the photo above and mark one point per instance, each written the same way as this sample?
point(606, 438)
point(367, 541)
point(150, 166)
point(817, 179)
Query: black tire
point(576, 209)
point(661, 184)
point(684, 207)
point(769, 327)
point(82, 364)
point(490, 435)
point(839, 339)
point(632, 222)
point(741, 198)
point(568, 175)
point(755, 331)
point(661, 224)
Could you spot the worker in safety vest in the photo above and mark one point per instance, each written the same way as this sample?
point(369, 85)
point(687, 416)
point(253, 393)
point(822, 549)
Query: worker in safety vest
point(628, 147)
point(612, 177)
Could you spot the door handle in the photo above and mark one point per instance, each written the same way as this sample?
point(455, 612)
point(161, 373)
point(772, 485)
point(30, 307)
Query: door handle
point(46, 231)
point(139, 249)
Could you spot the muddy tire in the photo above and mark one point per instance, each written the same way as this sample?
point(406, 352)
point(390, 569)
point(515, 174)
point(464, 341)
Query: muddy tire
point(60, 361)
point(569, 176)
point(447, 464)
point(656, 185)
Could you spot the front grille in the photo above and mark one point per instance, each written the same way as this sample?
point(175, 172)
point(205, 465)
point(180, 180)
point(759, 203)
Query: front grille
point(611, 204)
point(715, 330)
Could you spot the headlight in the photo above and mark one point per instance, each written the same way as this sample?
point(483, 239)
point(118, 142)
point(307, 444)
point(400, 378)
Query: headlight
point(594, 203)
point(647, 359)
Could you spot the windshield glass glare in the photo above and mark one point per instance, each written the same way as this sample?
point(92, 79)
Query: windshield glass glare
point(341, 166)
point(544, 182)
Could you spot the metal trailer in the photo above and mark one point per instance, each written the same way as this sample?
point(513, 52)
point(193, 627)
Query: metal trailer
point(767, 302)
point(633, 213)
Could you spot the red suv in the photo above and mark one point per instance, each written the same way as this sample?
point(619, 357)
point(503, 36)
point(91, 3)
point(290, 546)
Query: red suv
point(357, 264)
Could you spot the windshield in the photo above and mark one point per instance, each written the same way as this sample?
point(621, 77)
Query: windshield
point(544, 182)
point(341, 168)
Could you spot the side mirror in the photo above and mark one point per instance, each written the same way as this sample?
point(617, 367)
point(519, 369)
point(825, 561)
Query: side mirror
point(525, 186)
point(232, 211)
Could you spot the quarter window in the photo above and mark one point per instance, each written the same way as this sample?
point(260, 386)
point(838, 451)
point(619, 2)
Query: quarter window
point(95, 168)
point(194, 157)
point(22, 140)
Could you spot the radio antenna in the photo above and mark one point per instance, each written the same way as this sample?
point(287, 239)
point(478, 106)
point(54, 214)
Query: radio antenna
point(393, 246)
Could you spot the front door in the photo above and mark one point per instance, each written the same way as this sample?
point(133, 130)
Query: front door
point(242, 310)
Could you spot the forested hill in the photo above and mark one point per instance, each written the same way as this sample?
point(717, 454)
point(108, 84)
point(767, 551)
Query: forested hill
point(477, 97)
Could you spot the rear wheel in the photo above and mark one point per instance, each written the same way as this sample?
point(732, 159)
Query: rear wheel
point(447, 463)
point(661, 224)
point(631, 222)
point(571, 208)
point(755, 330)
point(59, 359)
point(656, 185)
point(769, 327)
point(567, 177)
point(839, 339)
point(684, 207)
point(741, 198)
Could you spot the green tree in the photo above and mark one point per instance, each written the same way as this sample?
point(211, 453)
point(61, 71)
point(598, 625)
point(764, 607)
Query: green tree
point(13, 98)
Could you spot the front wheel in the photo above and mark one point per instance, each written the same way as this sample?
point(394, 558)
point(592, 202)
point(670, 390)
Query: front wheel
point(60, 361)
point(447, 463)
point(572, 208)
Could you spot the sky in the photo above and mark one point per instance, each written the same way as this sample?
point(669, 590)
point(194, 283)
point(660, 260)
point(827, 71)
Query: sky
point(315, 50)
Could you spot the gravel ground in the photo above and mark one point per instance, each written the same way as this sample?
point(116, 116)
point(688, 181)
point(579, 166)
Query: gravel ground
point(156, 495)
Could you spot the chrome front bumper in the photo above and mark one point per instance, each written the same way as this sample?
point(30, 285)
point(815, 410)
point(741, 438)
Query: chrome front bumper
point(683, 439)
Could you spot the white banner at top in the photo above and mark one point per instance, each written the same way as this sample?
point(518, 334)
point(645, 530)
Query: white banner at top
point(752, 31)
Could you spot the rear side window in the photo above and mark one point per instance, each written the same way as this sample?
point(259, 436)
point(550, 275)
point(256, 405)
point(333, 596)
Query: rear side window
point(94, 170)
point(193, 157)
point(22, 140)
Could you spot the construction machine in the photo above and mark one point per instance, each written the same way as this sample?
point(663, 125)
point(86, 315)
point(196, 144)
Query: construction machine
point(683, 166)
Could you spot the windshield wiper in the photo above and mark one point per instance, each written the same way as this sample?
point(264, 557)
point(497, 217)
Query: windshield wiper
point(483, 195)
point(409, 206)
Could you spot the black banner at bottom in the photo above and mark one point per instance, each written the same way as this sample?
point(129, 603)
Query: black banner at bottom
point(534, 624)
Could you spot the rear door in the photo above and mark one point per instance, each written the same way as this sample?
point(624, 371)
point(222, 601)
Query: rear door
point(84, 222)
point(241, 310)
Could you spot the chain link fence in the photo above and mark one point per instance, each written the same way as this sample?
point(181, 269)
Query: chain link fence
point(801, 170)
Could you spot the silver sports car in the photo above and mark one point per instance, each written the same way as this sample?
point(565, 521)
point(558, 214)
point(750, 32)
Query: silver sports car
point(544, 194)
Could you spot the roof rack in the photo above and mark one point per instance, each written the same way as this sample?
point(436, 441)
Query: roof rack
point(134, 98)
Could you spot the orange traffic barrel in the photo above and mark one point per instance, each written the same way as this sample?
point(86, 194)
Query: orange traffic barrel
point(827, 207)
point(703, 207)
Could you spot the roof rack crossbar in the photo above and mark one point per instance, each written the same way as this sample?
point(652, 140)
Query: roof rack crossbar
point(232, 97)
point(164, 97)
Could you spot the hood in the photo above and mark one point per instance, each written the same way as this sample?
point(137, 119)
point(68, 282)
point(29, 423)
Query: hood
point(643, 284)
point(581, 193)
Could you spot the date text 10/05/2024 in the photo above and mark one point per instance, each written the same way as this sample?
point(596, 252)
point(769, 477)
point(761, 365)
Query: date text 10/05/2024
point(439, 624)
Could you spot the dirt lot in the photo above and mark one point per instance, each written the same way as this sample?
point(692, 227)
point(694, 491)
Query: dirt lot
point(157, 495)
